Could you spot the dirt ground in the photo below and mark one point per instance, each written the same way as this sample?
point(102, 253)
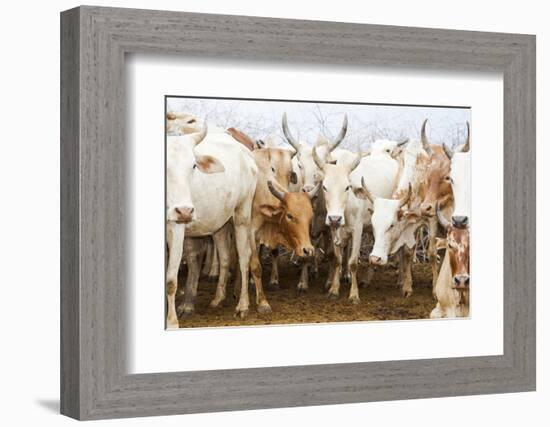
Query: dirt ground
point(381, 300)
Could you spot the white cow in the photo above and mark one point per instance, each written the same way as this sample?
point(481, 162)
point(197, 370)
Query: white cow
point(309, 176)
point(180, 123)
point(347, 210)
point(396, 219)
point(460, 180)
point(210, 180)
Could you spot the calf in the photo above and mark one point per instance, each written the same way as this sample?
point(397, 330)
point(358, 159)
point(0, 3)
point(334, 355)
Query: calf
point(453, 282)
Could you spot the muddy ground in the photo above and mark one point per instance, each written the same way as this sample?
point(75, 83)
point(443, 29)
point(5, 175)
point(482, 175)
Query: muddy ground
point(381, 300)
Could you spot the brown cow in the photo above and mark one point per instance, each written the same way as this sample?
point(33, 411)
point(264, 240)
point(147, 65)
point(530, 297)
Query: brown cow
point(279, 217)
point(453, 283)
point(436, 189)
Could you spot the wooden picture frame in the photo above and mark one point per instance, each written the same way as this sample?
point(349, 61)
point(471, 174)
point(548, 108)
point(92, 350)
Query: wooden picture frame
point(94, 41)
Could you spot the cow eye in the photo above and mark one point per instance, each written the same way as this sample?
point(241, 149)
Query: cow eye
point(290, 217)
point(300, 166)
point(448, 179)
point(324, 188)
point(195, 166)
point(191, 121)
point(348, 187)
point(272, 169)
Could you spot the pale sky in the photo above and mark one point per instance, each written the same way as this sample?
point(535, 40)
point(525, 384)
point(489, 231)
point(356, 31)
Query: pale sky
point(262, 119)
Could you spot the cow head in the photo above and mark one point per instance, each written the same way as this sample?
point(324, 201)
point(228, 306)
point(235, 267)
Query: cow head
point(437, 185)
point(182, 162)
point(277, 164)
point(293, 215)
point(389, 219)
point(178, 123)
point(336, 187)
point(309, 170)
point(460, 180)
point(457, 243)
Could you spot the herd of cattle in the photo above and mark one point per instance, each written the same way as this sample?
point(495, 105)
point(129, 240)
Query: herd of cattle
point(311, 198)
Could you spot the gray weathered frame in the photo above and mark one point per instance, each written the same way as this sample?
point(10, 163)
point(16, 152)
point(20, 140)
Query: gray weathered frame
point(94, 42)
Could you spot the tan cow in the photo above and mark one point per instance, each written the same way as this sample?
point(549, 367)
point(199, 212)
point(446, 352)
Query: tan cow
point(279, 217)
point(453, 282)
point(179, 123)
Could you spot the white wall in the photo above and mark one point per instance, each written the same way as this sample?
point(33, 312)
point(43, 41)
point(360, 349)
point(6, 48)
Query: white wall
point(29, 211)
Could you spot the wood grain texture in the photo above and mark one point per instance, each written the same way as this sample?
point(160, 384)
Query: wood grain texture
point(94, 382)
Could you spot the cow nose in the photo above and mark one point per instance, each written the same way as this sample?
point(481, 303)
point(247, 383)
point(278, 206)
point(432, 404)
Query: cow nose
point(427, 208)
point(308, 251)
point(307, 188)
point(184, 214)
point(375, 259)
point(460, 221)
point(335, 219)
point(461, 281)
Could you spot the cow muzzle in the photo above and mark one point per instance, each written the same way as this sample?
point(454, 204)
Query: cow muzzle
point(376, 260)
point(460, 221)
point(335, 220)
point(461, 282)
point(427, 209)
point(184, 214)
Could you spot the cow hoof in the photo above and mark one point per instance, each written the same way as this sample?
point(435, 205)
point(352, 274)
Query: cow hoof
point(332, 296)
point(354, 300)
point(241, 313)
point(264, 308)
point(274, 286)
point(301, 290)
point(215, 304)
point(187, 312)
point(407, 293)
point(172, 325)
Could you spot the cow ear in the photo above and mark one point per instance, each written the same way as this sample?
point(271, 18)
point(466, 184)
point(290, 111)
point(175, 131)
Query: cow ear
point(360, 193)
point(293, 177)
point(208, 164)
point(270, 211)
point(440, 243)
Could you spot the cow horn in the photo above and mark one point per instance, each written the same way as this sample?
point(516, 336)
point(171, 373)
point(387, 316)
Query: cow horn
point(424, 139)
point(400, 144)
point(313, 192)
point(288, 135)
point(318, 161)
point(197, 137)
point(466, 146)
point(355, 163)
point(448, 151)
point(366, 153)
point(442, 220)
point(276, 193)
point(341, 135)
point(406, 198)
point(367, 192)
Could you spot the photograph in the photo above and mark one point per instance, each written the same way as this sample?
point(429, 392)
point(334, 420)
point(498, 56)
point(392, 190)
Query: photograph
point(308, 212)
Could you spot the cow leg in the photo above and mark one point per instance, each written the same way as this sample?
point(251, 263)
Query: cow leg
point(215, 263)
point(432, 251)
point(353, 262)
point(222, 244)
point(243, 242)
point(334, 290)
point(208, 259)
point(331, 265)
point(274, 279)
point(406, 265)
point(262, 305)
point(303, 284)
point(176, 234)
point(194, 254)
point(346, 276)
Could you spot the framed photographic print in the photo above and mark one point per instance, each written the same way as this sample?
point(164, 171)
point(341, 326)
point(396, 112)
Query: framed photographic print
point(295, 213)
